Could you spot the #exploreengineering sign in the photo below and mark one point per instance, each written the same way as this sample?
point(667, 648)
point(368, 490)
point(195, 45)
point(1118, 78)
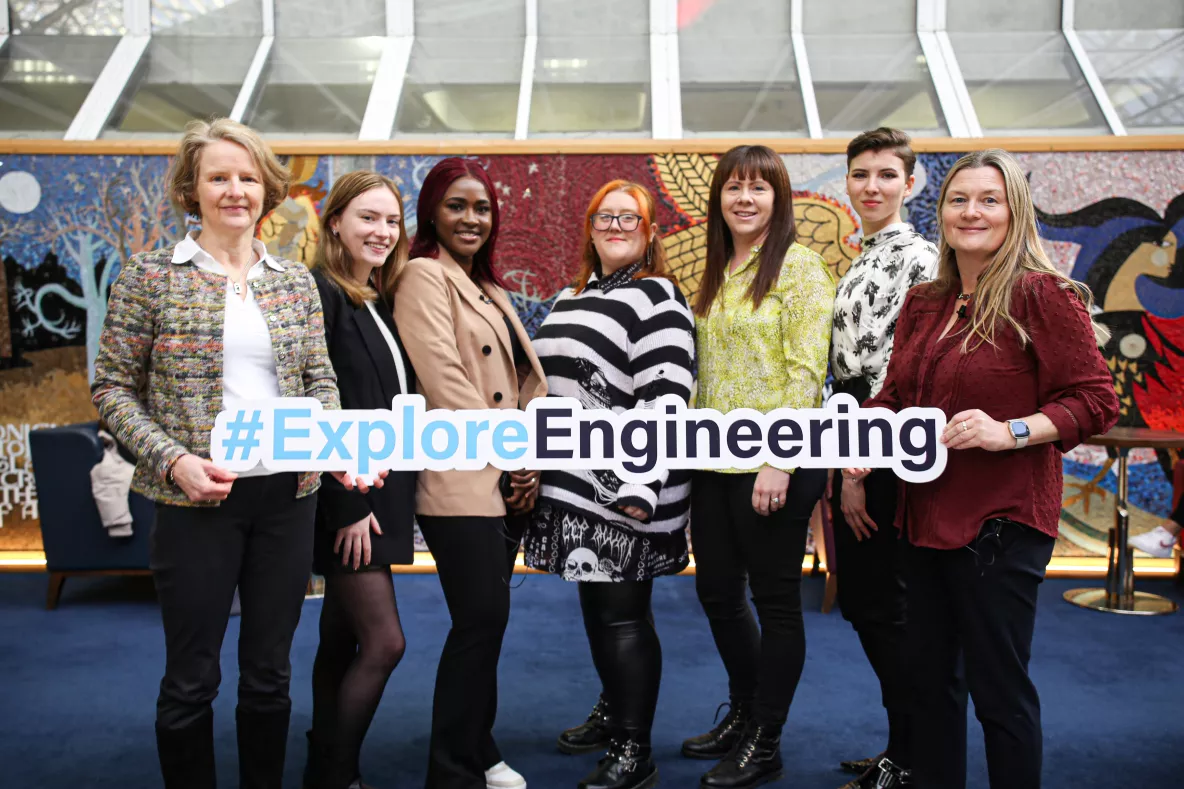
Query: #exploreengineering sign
point(296, 434)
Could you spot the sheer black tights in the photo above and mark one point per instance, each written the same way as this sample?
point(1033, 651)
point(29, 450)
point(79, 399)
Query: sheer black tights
point(361, 643)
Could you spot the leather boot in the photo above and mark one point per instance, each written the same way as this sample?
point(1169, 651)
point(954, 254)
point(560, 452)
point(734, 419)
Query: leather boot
point(262, 744)
point(314, 764)
point(756, 760)
point(593, 734)
point(187, 755)
point(718, 743)
point(861, 766)
point(627, 765)
point(882, 775)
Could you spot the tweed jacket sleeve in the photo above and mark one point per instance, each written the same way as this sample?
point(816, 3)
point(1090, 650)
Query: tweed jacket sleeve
point(121, 366)
point(319, 379)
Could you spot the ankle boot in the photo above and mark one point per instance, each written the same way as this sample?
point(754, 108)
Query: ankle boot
point(314, 764)
point(262, 743)
point(593, 734)
point(187, 755)
point(755, 760)
point(718, 743)
point(883, 775)
point(627, 765)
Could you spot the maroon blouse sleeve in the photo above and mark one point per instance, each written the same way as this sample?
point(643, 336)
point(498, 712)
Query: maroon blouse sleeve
point(1075, 389)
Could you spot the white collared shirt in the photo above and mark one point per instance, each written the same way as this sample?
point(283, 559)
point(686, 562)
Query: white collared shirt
point(248, 361)
point(394, 346)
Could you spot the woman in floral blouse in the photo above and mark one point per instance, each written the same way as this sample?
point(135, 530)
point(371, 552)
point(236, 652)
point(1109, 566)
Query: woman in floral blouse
point(868, 547)
point(763, 323)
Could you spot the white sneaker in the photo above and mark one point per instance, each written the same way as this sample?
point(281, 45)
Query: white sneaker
point(1158, 542)
point(502, 776)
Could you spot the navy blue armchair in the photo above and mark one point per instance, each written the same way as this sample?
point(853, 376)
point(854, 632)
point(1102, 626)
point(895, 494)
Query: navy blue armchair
point(75, 541)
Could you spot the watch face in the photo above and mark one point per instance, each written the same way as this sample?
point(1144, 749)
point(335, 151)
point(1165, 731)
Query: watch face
point(1020, 429)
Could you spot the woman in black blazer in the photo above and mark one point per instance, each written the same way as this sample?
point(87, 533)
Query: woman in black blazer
point(359, 535)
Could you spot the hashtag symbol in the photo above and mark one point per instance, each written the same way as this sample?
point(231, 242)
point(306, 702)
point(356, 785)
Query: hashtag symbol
point(242, 435)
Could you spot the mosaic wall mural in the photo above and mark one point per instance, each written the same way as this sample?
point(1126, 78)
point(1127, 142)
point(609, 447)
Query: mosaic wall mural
point(1113, 220)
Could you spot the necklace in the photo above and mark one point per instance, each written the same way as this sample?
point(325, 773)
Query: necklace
point(963, 297)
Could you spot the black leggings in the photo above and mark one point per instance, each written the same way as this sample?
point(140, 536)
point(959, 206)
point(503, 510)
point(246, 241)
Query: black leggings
point(625, 650)
point(361, 643)
point(737, 548)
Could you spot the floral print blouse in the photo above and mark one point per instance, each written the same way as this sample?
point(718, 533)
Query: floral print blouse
point(776, 355)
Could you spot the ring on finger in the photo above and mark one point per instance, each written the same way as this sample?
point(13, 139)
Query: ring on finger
point(963, 425)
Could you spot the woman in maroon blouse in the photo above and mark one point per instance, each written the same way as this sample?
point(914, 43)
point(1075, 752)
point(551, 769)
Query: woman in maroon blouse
point(1004, 345)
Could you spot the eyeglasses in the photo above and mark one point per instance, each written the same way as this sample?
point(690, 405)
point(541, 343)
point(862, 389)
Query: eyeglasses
point(627, 222)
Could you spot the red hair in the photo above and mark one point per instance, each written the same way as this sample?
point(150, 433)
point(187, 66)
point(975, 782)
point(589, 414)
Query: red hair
point(657, 266)
point(426, 244)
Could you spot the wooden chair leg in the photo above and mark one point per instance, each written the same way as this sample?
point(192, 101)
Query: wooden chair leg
point(54, 592)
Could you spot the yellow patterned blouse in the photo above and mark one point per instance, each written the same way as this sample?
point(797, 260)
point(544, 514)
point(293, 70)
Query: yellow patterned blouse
point(775, 356)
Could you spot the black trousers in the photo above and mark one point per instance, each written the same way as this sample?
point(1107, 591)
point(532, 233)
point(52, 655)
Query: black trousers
point(475, 561)
point(259, 540)
point(871, 591)
point(625, 650)
point(976, 604)
point(736, 548)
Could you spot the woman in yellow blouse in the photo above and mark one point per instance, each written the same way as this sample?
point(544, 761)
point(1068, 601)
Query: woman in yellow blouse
point(763, 324)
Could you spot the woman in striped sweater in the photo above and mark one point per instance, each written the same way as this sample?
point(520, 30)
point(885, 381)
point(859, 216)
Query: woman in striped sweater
point(621, 337)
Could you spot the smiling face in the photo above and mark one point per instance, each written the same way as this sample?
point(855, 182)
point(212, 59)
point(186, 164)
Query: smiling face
point(878, 186)
point(615, 246)
point(464, 218)
point(369, 229)
point(229, 188)
point(747, 205)
point(975, 216)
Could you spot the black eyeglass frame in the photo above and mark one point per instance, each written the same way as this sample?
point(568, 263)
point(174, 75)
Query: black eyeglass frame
point(607, 220)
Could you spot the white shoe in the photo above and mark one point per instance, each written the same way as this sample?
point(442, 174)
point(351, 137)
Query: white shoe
point(502, 776)
point(1158, 542)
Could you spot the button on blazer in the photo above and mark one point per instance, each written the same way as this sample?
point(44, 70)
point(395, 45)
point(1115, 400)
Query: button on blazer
point(460, 347)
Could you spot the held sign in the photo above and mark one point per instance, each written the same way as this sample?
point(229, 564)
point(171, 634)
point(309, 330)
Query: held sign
point(296, 434)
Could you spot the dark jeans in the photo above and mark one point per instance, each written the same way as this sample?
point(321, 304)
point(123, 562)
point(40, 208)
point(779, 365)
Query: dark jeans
point(977, 604)
point(871, 594)
point(625, 650)
point(260, 540)
point(474, 560)
point(737, 548)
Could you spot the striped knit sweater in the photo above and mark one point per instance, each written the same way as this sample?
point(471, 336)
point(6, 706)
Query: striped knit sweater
point(618, 344)
point(158, 373)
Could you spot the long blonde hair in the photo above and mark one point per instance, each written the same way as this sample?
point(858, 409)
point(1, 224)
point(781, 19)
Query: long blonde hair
point(335, 260)
point(1020, 254)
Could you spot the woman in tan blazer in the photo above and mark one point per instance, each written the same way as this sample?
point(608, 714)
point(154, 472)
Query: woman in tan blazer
point(469, 351)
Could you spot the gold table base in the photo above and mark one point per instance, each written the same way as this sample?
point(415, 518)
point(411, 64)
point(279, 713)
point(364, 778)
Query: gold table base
point(1138, 604)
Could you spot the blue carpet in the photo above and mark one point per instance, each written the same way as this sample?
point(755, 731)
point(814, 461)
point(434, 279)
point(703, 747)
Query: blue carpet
point(79, 686)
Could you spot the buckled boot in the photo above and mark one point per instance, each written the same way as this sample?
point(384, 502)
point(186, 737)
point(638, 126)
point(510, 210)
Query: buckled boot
point(592, 735)
point(756, 760)
point(861, 766)
point(187, 755)
point(627, 765)
point(882, 775)
point(718, 743)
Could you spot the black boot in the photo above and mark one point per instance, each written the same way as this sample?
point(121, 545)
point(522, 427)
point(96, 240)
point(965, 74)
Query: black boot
point(882, 775)
point(593, 734)
point(187, 755)
point(314, 765)
point(262, 743)
point(718, 743)
point(627, 765)
point(756, 760)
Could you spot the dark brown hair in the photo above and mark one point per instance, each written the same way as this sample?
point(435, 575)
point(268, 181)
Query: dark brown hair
point(749, 162)
point(334, 259)
point(884, 139)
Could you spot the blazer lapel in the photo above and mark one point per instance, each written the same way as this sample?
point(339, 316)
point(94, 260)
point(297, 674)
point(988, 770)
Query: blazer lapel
point(535, 383)
point(388, 374)
point(472, 294)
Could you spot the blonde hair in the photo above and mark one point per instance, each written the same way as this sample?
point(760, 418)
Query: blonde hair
point(199, 134)
point(1020, 254)
point(335, 260)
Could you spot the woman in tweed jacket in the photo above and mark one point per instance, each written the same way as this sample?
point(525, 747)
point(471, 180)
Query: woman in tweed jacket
point(189, 331)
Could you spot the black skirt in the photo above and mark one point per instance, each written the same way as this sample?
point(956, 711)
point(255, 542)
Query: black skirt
point(579, 548)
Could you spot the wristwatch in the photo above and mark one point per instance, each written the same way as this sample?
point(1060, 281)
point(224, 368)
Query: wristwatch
point(1019, 431)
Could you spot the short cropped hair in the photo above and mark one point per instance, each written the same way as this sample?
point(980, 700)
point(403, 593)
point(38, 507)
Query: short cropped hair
point(199, 134)
point(884, 139)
